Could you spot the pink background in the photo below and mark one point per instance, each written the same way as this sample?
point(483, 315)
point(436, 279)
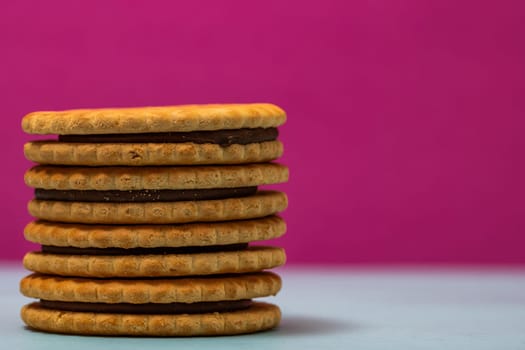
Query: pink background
point(406, 121)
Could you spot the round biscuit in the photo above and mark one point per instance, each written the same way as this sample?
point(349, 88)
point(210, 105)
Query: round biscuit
point(154, 119)
point(258, 317)
point(154, 178)
point(159, 291)
point(154, 236)
point(261, 204)
point(252, 259)
point(149, 154)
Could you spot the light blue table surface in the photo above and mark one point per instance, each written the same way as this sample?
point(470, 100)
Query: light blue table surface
point(339, 309)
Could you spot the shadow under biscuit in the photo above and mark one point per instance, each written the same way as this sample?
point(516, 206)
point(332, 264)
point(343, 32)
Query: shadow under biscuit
point(307, 325)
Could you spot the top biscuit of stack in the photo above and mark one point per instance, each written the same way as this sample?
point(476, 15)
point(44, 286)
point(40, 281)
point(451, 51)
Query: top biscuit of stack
point(177, 135)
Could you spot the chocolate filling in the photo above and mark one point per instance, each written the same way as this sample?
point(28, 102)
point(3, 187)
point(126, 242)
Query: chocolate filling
point(150, 308)
point(142, 251)
point(221, 137)
point(143, 195)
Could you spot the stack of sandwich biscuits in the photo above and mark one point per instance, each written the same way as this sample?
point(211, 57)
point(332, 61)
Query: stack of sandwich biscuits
point(145, 217)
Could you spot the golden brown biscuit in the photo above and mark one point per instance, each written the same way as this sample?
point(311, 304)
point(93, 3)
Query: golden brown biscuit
point(149, 154)
point(156, 178)
point(154, 119)
point(252, 259)
point(152, 236)
point(136, 291)
point(262, 204)
point(259, 317)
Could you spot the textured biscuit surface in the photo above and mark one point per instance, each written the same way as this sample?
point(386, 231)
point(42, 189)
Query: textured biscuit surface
point(154, 119)
point(252, 259)
point(263, 203)
point(153, 236)
point(155, 178)
point(142, 154)
point(260, 316)
point(174, 290)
